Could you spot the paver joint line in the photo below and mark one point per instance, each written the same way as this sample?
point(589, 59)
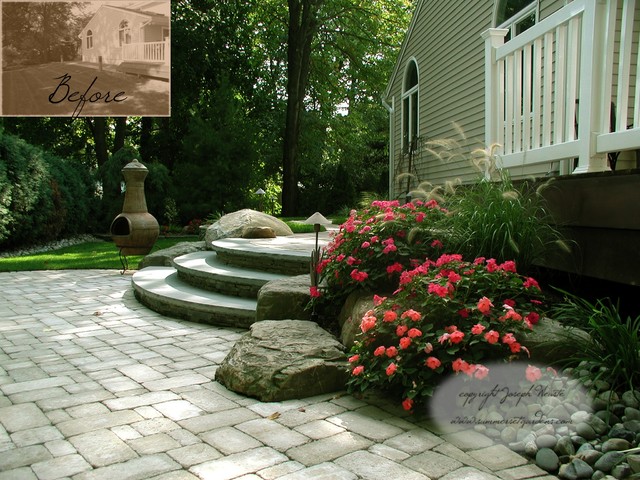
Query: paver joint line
point(94, 386)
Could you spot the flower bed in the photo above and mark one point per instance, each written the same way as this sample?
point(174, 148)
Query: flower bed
point(448, 316)
point(376, 244)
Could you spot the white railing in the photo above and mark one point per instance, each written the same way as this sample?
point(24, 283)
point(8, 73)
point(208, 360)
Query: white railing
point(551, 92)
point(146, 52)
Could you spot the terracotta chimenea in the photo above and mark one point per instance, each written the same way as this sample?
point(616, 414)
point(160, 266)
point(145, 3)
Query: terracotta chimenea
point(135, 230)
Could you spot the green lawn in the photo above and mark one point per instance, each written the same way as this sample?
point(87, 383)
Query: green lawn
point(101, 255)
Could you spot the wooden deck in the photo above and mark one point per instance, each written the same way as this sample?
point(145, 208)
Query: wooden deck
point(154, 70)
point(601, 213)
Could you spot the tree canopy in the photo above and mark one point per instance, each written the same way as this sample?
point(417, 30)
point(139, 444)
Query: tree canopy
point(272, 94)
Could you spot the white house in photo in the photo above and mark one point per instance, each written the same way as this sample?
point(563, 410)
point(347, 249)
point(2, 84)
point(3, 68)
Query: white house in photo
point(129, 38)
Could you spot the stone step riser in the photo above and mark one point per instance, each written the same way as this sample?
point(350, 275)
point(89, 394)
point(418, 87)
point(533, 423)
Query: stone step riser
point(161, 290)
point(206, 315)
point(226, 285)
point(265, 263)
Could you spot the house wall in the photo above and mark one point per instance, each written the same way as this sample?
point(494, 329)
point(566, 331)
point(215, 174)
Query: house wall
point(445, 41)
point(105, 28)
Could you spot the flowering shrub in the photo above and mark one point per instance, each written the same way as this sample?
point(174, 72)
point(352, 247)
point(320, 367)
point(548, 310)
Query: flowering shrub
point(448, 316)
point(374, 246)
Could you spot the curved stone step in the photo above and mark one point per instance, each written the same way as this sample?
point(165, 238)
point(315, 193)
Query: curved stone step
point(204, 270)
point(282, 255)
point(160, 289)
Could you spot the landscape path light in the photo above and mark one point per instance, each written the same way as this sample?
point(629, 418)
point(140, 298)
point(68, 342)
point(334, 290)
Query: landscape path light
point(261, 193)
point(317, 220)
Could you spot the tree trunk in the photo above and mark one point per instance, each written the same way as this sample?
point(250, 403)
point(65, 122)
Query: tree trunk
point(120, 135)
point(98, 127)
point(146, 123)
point(302, 28)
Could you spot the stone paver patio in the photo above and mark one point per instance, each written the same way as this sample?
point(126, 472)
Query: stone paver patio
point(95, 386)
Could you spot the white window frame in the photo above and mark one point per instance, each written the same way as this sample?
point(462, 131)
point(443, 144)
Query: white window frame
point(510, 23)
point(124, 33)
point(410, 101)
point(89, 37)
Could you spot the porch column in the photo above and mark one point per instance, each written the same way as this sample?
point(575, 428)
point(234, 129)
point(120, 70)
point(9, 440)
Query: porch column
point(493, 88)
point(592, 110)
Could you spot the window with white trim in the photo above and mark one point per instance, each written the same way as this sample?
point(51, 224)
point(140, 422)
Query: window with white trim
point(89, 39)
point(410, 94)
point(516, 16)
point(124, 33)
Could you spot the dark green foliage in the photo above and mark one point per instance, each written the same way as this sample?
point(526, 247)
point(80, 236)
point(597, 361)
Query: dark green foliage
point(42, 197)
point(216, 171)
point(614, 351)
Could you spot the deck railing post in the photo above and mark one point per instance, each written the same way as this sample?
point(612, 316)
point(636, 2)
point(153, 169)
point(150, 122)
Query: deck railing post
point(592, 82)
point(493, 38)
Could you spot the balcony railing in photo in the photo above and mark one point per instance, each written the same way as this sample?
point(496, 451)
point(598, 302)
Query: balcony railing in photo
point(157, 52)
point(567, 89)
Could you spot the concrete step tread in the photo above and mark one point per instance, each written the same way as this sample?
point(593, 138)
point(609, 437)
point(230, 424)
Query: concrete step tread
point(163, 282)
point(206, 263)
point(296, 247)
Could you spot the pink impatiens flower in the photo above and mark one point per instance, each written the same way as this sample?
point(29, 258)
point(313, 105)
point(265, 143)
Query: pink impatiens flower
point(459, 365)
point(395, 268)
point(359, 276)
point(358, 370)
point(492, 337)
point(484, 305)
point(456, 337)
point(389, 316)
point(533, 373)
point(401, 330)
point(533, 318)
point(428, 348)
point(368, 322)
point(314, 292)
point(508, 338)
point(405, 342)
point(414, 332)
point(412, 314)
point(531, 283)
point(477, 329)
point(392, 352)
point(378, 300)
point(480, 372)
point(391, 369)
point(407, 404)
point(432, 363)
point(378, 352)
point(354, 358)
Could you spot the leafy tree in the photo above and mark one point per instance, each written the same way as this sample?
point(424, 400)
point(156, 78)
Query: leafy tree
point(216, 171)
point(39, 32)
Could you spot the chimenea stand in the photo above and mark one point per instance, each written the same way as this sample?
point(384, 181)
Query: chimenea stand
point(135, 230)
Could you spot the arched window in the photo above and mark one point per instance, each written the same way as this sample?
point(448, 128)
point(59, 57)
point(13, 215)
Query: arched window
point(89, 39)
point(410, 94)
point(124, 33)
point(516, 15)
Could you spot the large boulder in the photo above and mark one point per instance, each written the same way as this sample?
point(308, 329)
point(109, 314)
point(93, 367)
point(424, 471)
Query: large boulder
point(163, 258)
point(246, 224)
point(551, 342)
point(284, 298)
point(284, 359)
point(354, 308)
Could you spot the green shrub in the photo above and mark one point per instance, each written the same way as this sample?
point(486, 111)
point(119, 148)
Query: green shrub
point(42, 197)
